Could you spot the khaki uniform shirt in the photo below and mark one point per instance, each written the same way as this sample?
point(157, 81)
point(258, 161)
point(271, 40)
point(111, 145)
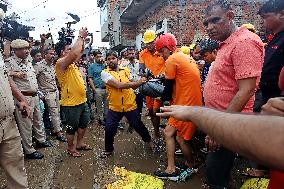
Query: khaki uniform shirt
point(6, 98)
point(28, 84)
point(45, 76)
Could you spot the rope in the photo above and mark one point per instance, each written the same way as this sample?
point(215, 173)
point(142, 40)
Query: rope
point(25, 11)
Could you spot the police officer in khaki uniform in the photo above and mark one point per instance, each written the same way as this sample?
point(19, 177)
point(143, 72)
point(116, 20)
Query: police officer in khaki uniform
point(24, 76)
point(47, 84)
point(11, 151)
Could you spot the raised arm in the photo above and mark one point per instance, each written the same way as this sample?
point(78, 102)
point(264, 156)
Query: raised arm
point(7, 49)
point(42, 43)
point(75, 52)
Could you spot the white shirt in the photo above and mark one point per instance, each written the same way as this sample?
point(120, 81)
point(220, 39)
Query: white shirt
point(106, 76)
point(134, 72)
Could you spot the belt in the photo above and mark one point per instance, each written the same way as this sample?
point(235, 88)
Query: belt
point(50, 91)
point(32, 94)
point(100, 87)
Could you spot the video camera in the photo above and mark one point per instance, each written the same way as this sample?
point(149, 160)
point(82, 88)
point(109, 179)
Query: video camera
point(66, 34)
point(11, 29)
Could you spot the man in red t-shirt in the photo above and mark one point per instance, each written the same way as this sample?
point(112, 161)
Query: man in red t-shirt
point(232, 81)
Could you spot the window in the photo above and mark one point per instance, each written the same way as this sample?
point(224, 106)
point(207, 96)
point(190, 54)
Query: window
point(159, 25)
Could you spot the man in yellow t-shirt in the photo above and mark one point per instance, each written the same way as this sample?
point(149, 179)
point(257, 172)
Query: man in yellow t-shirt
point(73, 93)
point(122, 102)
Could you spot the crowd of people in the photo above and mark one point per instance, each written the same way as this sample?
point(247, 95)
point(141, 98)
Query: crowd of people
point(213, 85)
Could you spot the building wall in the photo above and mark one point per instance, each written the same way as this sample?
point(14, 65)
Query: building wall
point(185, 18)
point(128, 32)
point(110, 27)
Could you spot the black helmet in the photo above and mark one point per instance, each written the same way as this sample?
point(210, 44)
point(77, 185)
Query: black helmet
point(153, 88)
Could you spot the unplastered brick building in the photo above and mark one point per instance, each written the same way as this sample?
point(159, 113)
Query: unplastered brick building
point(124, 22)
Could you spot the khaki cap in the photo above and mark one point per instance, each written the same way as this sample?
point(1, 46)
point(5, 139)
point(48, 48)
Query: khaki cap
point(19, 44)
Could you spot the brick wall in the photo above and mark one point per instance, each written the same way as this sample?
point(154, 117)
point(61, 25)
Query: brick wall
point(129, 31)
point(185, 18)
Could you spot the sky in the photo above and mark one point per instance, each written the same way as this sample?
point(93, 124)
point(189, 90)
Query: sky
point(37, 12)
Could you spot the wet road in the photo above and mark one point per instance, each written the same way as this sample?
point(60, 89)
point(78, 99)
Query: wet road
point(58, 170)
point(94, 172)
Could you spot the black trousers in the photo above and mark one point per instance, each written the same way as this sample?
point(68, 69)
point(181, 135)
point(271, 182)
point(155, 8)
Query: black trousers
point(112, 122)
point(139, 102)
point(218, 168)
point(260, 100)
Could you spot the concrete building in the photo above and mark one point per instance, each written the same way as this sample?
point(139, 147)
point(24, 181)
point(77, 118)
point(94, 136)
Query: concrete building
point(124, 22)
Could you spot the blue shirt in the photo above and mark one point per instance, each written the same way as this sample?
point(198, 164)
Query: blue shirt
point(94, 72)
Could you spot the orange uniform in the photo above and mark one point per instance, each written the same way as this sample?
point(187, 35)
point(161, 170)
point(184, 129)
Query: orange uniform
point(156, 64)
point(186, 90)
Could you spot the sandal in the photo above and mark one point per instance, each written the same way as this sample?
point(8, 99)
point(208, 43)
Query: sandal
point(186, 174)
point(167, 176)
point(181, 166)
point(74, 154)
point(105, 154)
point(84, 148)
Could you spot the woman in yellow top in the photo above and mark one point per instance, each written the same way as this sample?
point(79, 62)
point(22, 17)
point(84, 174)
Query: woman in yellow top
point(121, 102)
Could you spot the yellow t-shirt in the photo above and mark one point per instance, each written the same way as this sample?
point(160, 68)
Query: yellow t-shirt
point(73, 89)
point(120, 100)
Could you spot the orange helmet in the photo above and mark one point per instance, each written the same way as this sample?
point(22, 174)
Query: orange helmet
point(166, 40)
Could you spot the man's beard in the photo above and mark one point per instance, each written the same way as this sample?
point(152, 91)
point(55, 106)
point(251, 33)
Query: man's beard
point(100, 61)
point(49, 60)
point(112, 66)
point(132, 59)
